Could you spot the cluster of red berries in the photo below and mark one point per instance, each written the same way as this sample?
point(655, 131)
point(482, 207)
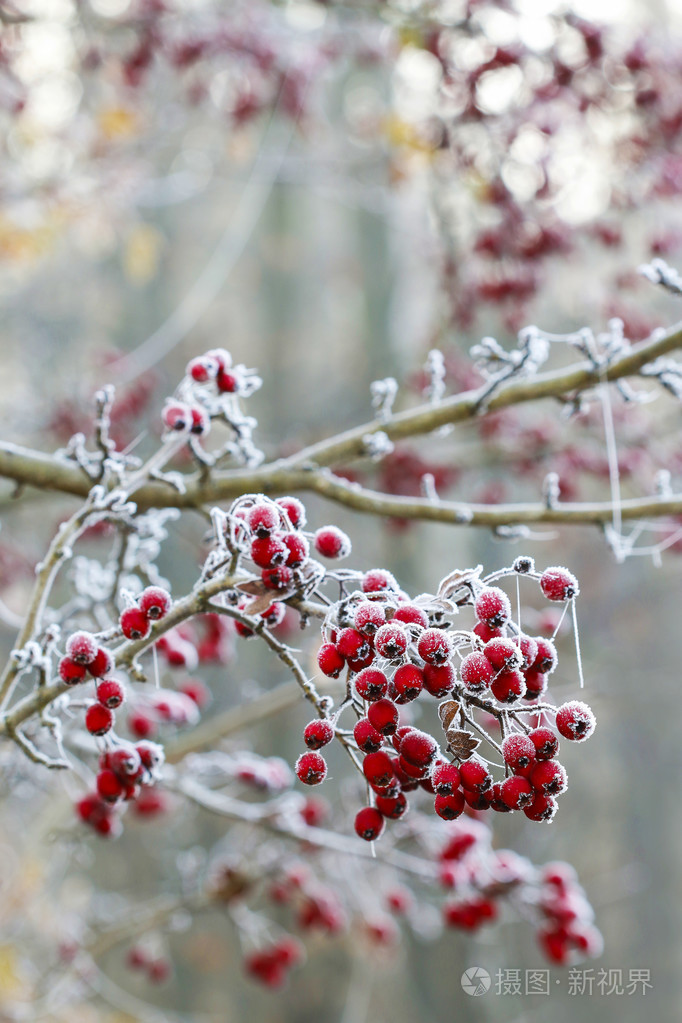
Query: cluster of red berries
point(270, 965)
point(153, 604)
point(84, 657)
point(156, 968)
point(125, 772)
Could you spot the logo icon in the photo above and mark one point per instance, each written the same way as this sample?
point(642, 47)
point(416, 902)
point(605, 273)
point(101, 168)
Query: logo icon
point(475, 981)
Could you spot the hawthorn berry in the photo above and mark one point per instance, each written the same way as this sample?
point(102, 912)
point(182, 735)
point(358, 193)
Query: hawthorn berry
point(151, 755)
point(392, 807)
point(262, 519)
point(536, 684)
point(475, 776)
point(330, 661)
point(177, 416)
point(369, 616)
point(311, 768)
point(134, 623)
point(332, 542)
point(503, 653)
point(201, 422)
point(371, 684)
point(418, 748)
point(298, 549)
point(383, 715)
point(434, 647)
point(367, 737)
point(439, 680)
point(102, 664)
point(318, 733)
point(546, 658)
point(369, 823)
point(508, 686)
point(451, 806)
point(269, 552)
point(485, 633)
point(109, 785)
point(203, 368)
point(81, 647)
point(542, 808)
point(70, 672)
point(410, 614)
point(518, 751)
point(98, 719)
point(378, 580)
point(408, 682)
point(142, 725)
point(516, 792)
point(528, 648)
point(445, 778)
point(476, 672)
point(559, 584)
point(274, 615)
point(492, 606)
point(154, 602)
point(549, 776)
point(390, 641)
point(125, 762)
point(110, 693)
point(294, 509)
point(277, 578)
point(575, 721)
point(378, 769)
point(545, 742)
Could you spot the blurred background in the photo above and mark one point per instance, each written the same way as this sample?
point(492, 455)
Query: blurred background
point(330, 190)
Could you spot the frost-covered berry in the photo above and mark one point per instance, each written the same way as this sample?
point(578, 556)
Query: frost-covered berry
point(543, 808)
point(378, 769)
point(294, 509)
point(546, 658)
point(485, 633)
point(450, 807)
point(134, 623)
point(536, 684)
point(110, 693)
point(369, 616)
point(371, 684)
point(269, 552)
point(508, 686)
point(177, 416)
point(109, 785)
point(410, 614)
point(445, 778)
point(392, 807)
point(418, 748)
point(330, 661)
point(352, 645)
point(369, 823)
point(518, 751)
point(98, 719)
point(523, 565)
point(332, 542)
point(408, 682)
point(367, 737)
point(125, 762)
point(262, 519)
point(298, 549)
point(81, 647)
point(516, 792)
point(70, 672)
point(391, 641)
point(274, 615)
point(201, 422)
point(384, 715)
point(503, 653)
point(476, 672)
point(492, 607)
point(311, 768)
point(549, 776)
point(575, 721)
point(475, 776)
point(151, 755)
point(102, 664)
point(559, 584)
point(277, 578)
point(155, 602)
point(378, 580)
point(439, 680)
point(545, 742)
point(203, 369)
point(318, 733)
point(529, 651)
point(434, 646)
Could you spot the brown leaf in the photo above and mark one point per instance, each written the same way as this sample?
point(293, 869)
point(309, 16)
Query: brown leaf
point(461, 744)
point(447, 711)
point(452, 582)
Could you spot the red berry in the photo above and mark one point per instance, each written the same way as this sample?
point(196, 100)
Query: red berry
point(269, 552)
point(393, 807)
point(445, 778)
point(141, 725)
point(476, 671)
point(503, 653)
point(311, 768)
point(314, 811)
point(384, 716)
point(450, 807)
point(434, 646)
point(391, 641)
point(575, 721)
point(529, 651)
point(543, 808)
point(367, 737)
point(410, 614)
point(545, 742)
point(274, 615)
point(369, 616)
point(408, 682)
point(475, 776)
point(298, 548)
point(317, 734)
point(518, 751)
point(536, 684)
point(125, 762)
point(177, 416)
point(413, 771)
point(546, 658)
point(81, 647)
point(155, 602)
point(70, 672)
point(559, 584)
point(102, 664)
point(492, 607)
point(378, 769)
point(134, 623)
point(203, 368)
point(263, 519)
point(277, 578)
point(508, 686)
point(98, 719)
point(369, 823)
point(352, 645)
point(377, 580)
point(330, 661)
point(295, 510)
point(331, 542)
point(555, 946)
point(371, 684)
point(439, 680)
point(110, 693)
point(109, 786)
point(201, 422)
point(516, 792)
point(549, 776)
point(151, 755)
point(485, 633)
point(418, 748)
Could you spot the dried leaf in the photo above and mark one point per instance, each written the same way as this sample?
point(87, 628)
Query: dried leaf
point(461, 743)
point(447, 711)
point(452, 582)
point(256, 588)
